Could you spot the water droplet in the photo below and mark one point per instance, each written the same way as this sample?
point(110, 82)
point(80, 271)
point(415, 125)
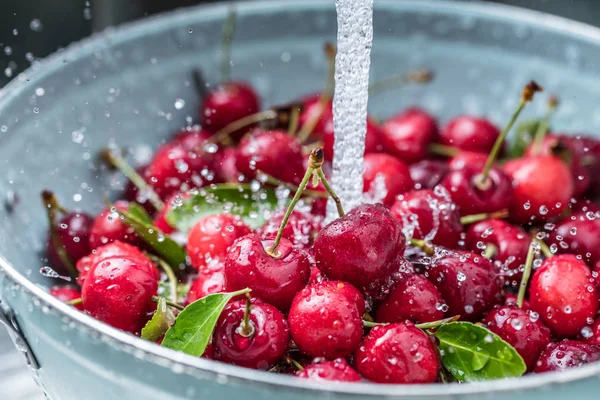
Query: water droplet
point(36, 25)
point(543, 210)
point(179, 104)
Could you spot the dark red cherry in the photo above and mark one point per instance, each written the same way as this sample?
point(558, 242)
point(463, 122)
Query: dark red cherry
point(385, 177)
point(408, 135)
point(316, 276)
point(275, 280)
point(567, 354)
point(468, 159)
point(66, 293)
point(470, 133)
point(337, 371)
point(397, 353)
point(301, 228)
point(429, 215)
point(372, 139)
point(326, 319)
point(109, 227)
point(511, 300)
point(73, 230)
point(587, 150)
point(537, 196)
point(210, 280)
point(522, 329)
point(469, 283)
point(510, 244)
point(211, 236)
point(225, 165)
point(312, 109)
point(578, 234)
point(273, 152)
point(475, 197)
point(415, 299)
point(361, 247)
point(591, 334)
point(427, 174)
point(262, 346)
point(118, 291)
point(228, 103)
point(563, 293)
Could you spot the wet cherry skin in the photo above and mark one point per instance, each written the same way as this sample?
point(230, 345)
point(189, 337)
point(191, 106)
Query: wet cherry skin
point(427, 174)
point(567, 354)
point(337, 370)
point(385, 173)
point(210, 280)
point(408, 135)
point(468, 159)
point(301, 227)
point(225, 165)
point(470, 133)
point(73, 231)
point(592, 336)
point(109, 227)
point(578, 234)
point(67, 293)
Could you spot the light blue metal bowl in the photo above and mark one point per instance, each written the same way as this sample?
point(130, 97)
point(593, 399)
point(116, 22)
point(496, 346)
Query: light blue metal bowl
point(123, 85)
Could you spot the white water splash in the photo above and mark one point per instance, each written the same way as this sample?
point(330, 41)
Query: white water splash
point(352, 62)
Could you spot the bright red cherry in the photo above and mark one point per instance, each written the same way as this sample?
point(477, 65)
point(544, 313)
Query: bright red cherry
point(264, 343)
point(275, 279)
point(537, 196)
point(211, 236)
point(228, 103)
point(66, 293)
point(469, 283)
point(301, 228)
point(522, 329)
point(160, 221)
point(273, 152)
point(398, 353)
point(429, 215)
point(109, 227)
point(118, 291)
point(225, 165)
point(578, 234)
point(468, 159)
point(337, 370)
point(73, 230)
point(326, 319)
point(567, 354)
point(470, 133)
point(427, 174)
point(408, 135)
point(563, 294)
point(192, 138)
point(385, 177)
point(360, 248)
point(210, 280)
point(414, 299)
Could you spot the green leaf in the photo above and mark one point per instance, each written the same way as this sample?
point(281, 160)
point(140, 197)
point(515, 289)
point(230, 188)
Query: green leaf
point(239, 200)
point(162, 244)
point(195, 324)
point(473, 353)
point(524, 134)
point(139, 212)
point(182, 290)
point(161, 321)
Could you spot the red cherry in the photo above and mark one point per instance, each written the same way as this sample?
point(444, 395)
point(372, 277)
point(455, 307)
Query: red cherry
point(522, 329)
point(475, 197)
point(73, 230)
point(429, 215)
point(397, 353)
point(470, 133)
point(562, 292)
point(427, 174)
point(408, 135)
point(160, 221)
point(385, 176)
point(337, 370)
point(372, 139)
point(66, 293)
point(273, 279)
point(316, 276)
point(225, 165)
point(326, 319)
point(468, 159)
point(511, 301)
point(228, 103)
point(415, 299)
point(536, 194)
point(118, 291)
point(567, 354)
point(191, 138)
point(312, 109)
point(209, 352)
point(301, 228)
point(587, 150)
point(211, 236)
point(210, 280)
point(109, 227)
point(273, 152)
point(360, 248)
point(469, 284)
point(579, 234)
point(263, 347)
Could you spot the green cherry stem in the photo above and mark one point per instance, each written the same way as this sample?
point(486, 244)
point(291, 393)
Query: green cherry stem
point(470, 219)
point(528, 92)
point(228, 33)
point(199, 82)
point(294, 118)
point(544, 125)
point(112, 158)
point(334, 196)
point(247, 327)
point(294, 363)
point(399, 80)
point(52, 209)
point(526, 274)
point(223, 135)
point(266, 178)
point(177, 306)
point(172, 279)
point(423, 245)
point(443, 150)
point(544, 248)
point(490, 251)
point(425, 325)
point(74, 302)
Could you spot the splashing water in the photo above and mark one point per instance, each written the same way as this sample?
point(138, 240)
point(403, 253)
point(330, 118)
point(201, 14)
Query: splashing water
point(352, 62)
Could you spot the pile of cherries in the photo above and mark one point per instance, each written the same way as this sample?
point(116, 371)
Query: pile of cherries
point(444, 236)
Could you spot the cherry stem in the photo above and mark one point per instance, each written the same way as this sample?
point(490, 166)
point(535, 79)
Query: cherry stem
point(544, 248)
point(266, 178)
point(177, 306)
point(223, 134)
point(399, 80)
point(293, 362)
point(52, 209)
point(228, 32)
point(325, 96)
point(443, 150)
point(470, 219)
point(544, 125)
point(371, 324)
point(199, 82)
point(437, 324)
point(294, 118)
point(116, 161)
point(172, 279)
point(423, 245)
point(74, 302)
point(528, 92)
point(490, 251)
point(247, 328)
point(334, 196)
point(526, 274)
